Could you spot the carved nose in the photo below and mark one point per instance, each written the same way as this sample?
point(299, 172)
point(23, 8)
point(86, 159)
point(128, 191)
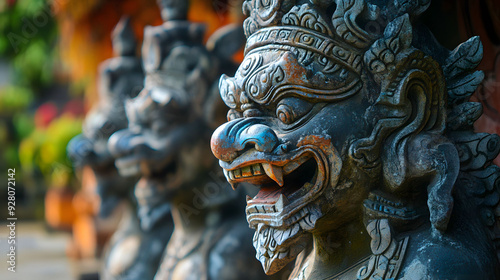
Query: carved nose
point(236, 136)
point(123, 143)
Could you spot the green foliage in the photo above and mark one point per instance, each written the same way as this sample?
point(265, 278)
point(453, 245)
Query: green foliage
point(28, 45)
point(29, 38)
point(23, 123)
point(45, 150)
point(14, 99)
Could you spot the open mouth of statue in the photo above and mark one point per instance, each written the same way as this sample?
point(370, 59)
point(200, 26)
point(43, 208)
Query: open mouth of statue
point(167, 170)
point(134, 165)
point(287, 183)
point(128, 166)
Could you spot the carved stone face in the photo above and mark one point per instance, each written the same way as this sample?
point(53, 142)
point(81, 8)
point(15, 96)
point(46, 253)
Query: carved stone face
point(120, 78)
point(164, 119)
point(329, 120)
point(289, 132)
point(167, 132)
point(111, 188)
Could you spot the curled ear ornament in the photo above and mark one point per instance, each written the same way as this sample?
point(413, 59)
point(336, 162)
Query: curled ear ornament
point(406, 144)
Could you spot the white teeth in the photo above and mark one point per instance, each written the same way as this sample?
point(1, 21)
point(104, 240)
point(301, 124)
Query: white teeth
point(257, 169)
point(226, 174)
point(246, 171)
point(274, 172)
point(237, 173)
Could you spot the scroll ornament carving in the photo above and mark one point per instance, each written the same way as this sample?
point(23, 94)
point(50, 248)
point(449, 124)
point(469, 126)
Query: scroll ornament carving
point(356, 126)
point(387, 252)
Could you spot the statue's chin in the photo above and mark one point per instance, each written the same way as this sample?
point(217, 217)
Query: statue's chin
point(276, 247)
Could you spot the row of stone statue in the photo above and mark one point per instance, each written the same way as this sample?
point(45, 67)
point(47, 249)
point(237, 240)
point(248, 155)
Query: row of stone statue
point(360, 145)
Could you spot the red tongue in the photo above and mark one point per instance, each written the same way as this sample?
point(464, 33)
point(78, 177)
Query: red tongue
point(268, 194)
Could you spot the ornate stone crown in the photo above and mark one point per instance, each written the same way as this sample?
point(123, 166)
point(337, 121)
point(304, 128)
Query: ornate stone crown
point(304, 25)
point(415, 150)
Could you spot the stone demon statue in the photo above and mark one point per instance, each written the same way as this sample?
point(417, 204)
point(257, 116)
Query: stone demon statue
point(361, 143)
point(132, 254)
point(166, 143)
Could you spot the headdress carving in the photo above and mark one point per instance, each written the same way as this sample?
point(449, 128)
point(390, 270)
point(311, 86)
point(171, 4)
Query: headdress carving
point(415, 129)
point(121, 78)
point(330, 34)
point(165, 144)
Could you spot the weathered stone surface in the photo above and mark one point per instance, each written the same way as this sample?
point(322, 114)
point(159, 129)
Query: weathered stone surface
point(121, 78)
point(361, 144)
point(166, 144)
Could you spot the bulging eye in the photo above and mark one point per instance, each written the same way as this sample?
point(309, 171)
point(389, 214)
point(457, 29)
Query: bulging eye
point(291, 109)
point(285, 114)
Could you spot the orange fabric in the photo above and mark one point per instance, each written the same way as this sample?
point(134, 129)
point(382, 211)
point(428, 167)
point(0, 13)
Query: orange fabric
point(85, 29)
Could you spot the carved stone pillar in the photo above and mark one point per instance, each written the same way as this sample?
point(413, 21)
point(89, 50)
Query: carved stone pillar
point(361, 143)
point(132, 253)
point(166, 144)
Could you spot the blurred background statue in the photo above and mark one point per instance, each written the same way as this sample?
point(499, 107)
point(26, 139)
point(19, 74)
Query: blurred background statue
point(166, 143)
point(50, 52)
point(132, 253)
